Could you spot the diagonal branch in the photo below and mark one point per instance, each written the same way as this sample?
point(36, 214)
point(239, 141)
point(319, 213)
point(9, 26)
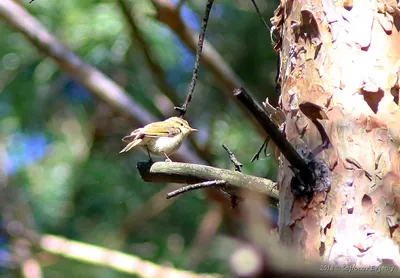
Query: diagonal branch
point(194, 173)
point(91, 78)
point(273, 132)
point(151, 61)
point(119, 261)
point(168, 14)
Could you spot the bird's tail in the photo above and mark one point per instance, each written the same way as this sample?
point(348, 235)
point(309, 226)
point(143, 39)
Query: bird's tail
point(131, 145)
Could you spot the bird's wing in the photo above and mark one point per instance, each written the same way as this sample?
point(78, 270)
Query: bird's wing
point(136, 134)
point(159, 130)
point(155, 130)
point(134, 139)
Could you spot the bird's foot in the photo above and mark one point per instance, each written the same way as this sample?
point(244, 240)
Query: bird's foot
point(168, 159)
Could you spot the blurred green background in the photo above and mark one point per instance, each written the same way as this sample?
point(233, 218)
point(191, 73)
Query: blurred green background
point(60, 144)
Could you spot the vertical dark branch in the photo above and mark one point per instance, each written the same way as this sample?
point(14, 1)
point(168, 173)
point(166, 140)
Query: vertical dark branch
point(183, 108)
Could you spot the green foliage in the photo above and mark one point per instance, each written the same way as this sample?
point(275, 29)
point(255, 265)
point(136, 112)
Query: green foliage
point(74, 180)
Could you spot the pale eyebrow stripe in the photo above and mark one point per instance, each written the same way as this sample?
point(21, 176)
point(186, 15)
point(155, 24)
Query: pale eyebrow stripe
point(184, 122)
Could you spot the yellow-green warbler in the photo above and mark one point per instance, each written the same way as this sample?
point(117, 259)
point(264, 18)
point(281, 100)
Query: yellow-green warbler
point(159, 138)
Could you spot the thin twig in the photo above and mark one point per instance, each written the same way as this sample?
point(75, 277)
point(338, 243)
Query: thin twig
point(277, 137)
point(194, 187)
point(195, 173)
point(183, 108)
point(259, 14)
point(232, 157)
point(264, 147)
point(226, 78)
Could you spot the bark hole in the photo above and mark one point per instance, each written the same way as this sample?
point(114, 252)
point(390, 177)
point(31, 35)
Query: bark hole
point(350, 210)
point(373, 99)
point(392, 229)
point(366, 202)
point(395, 93)
point(322, 249)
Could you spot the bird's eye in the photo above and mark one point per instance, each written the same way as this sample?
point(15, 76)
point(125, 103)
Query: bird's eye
point(181, 124)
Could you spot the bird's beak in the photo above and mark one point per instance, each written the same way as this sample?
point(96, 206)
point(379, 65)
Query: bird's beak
point(193, 130)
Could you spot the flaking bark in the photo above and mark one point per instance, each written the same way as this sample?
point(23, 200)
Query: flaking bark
point(344, 57)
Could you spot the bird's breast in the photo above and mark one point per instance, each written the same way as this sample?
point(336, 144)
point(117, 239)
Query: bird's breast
point(167, 145)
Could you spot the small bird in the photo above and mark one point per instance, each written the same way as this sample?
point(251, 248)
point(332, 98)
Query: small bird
point(159, 138)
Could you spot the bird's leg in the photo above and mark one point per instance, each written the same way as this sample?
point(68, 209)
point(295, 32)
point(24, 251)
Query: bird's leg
point(148, 153)
point(168, 159)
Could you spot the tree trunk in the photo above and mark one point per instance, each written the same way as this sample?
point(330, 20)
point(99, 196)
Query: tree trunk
point(345, 57)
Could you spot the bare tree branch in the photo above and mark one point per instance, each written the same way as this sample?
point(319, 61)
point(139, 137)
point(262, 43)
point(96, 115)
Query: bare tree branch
point(95, 81)
point(168, 14)
point(194, 173)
